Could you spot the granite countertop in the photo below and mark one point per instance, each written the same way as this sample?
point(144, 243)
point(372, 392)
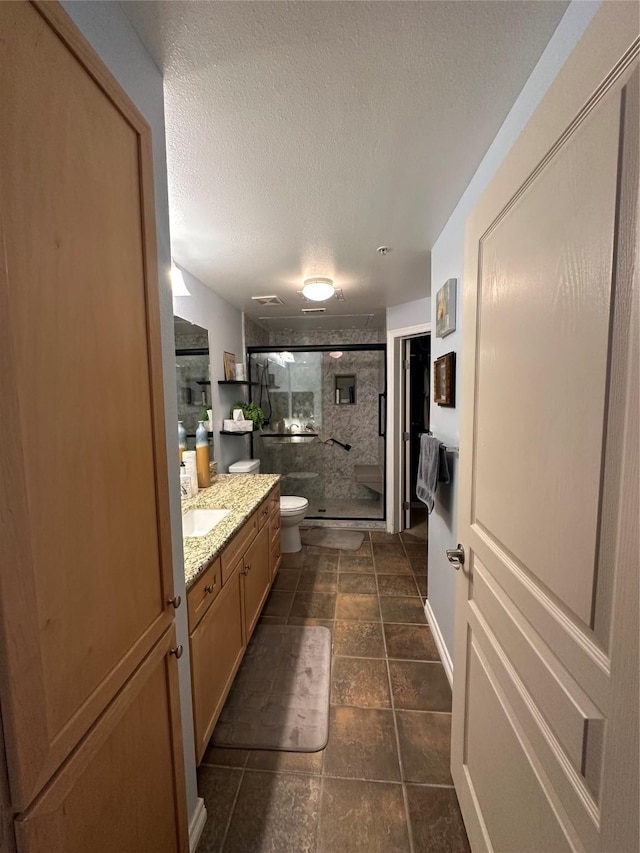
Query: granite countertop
point(242, 494)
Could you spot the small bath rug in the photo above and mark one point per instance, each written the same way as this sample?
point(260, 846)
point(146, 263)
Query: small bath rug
point(326, 537)
point(280, 697)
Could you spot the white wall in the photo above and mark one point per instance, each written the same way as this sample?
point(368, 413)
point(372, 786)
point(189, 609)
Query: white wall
point(104, 25)
point(224, 324)
point(447, 259)
point(409, 313)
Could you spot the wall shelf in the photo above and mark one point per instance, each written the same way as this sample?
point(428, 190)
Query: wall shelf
point(288, 434)
point(236, 382)
point(203, 382)
point(229, 432)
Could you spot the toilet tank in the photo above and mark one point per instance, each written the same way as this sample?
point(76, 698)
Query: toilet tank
point(245, 466)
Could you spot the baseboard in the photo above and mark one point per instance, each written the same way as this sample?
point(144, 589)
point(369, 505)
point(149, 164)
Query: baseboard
point(439, 641)
point(196, 825)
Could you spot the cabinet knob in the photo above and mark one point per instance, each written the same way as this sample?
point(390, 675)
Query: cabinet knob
point(176, 602)
point(249, 567)
point(177, 652)
point(209, 589)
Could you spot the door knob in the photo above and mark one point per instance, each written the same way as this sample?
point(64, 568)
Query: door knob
point(456, 556)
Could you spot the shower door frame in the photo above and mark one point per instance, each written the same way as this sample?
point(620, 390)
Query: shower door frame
point(382, 409)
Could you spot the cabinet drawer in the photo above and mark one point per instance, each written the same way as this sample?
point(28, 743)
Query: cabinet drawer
point(238, 545)
point(203, 593)
point(263, 513)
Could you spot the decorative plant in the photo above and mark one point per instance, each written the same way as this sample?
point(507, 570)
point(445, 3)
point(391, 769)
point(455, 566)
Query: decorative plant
point(251, 412)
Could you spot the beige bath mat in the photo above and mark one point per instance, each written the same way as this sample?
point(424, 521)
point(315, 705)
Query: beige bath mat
point(326, 537)
point(280, 697)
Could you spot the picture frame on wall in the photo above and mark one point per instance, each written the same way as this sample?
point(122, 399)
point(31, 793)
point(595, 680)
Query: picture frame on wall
point(229, 359)
point(446, 308)
point(444, 380)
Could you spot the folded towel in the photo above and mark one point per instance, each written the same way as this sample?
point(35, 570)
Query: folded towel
point(428, 467)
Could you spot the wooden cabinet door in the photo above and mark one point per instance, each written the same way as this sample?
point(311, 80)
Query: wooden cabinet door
point(84, 533)
point(122, 791)
point(217, 647)
point(257, 578)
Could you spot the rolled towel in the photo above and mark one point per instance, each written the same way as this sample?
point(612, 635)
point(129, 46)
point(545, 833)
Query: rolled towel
point(428, 468)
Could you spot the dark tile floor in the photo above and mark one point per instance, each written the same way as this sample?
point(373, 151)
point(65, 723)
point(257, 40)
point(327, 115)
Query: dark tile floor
point(382, 785)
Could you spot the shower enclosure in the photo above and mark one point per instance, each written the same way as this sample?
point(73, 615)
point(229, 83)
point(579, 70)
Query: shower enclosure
point(324, 430)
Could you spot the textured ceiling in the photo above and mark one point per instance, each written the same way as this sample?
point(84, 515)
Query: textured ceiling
point(303, 135)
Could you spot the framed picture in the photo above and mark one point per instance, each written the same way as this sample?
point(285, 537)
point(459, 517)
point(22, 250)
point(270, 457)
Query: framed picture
point(229, 366)
point(446, 308)
point(444, 380)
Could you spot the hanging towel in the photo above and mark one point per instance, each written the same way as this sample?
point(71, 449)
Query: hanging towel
point(443, 465)
point(428, 467)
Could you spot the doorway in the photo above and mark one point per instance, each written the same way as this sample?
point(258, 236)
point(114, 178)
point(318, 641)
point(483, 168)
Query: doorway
point(416, 366)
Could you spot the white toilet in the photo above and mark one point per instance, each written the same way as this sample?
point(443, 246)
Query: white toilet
point(292, 509)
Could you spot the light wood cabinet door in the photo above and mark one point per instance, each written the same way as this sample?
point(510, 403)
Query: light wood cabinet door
point(85, 539)
point(122, 791)
point(257, 578)
point(217, 647)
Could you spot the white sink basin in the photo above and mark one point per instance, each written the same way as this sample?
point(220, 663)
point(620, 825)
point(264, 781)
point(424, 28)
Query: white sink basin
point(199, 522)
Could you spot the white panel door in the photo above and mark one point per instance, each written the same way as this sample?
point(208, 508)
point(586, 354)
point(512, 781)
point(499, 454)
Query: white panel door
point(545, 713)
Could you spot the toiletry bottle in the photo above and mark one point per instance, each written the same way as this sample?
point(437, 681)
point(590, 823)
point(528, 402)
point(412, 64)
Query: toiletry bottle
point(182, 440)
point(185, 482)
point(189, 459)
point(202, 456)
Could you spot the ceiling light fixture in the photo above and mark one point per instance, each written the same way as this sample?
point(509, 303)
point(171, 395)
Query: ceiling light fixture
point(178, 287)
point(318, 288)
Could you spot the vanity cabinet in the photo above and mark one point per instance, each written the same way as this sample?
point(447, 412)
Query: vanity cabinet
point(224, 606)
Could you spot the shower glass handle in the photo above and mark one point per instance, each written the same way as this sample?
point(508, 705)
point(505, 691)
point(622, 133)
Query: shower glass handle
point(382, 425)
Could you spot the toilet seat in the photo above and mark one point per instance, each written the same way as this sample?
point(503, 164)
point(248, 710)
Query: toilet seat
point(290, 504)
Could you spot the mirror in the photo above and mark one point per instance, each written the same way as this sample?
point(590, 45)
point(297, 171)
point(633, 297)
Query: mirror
point(193, 378)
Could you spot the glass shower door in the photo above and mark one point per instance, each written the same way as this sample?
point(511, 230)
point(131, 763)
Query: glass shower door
point(323, 431)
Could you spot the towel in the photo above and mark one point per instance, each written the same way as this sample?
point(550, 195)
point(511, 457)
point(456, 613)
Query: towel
point(443, 465)
point(428, 466)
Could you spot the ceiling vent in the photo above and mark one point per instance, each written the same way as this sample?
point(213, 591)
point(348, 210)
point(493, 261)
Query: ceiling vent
point(313, 310)
point(267, 300)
